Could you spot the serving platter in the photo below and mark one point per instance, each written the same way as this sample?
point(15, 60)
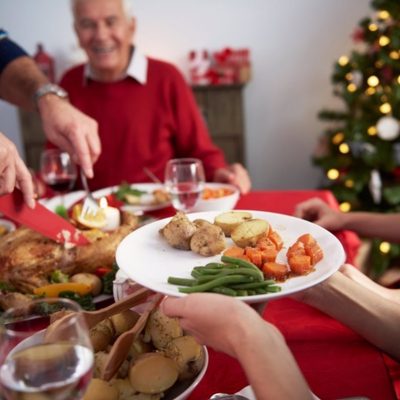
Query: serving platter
point(145, 257)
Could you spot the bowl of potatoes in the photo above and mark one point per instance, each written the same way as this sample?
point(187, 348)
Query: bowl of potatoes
point(217, 197)
point(163, 362)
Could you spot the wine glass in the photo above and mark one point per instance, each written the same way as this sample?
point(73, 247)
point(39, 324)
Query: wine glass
point(58, 171)
point(54, 363)
point(184, 181)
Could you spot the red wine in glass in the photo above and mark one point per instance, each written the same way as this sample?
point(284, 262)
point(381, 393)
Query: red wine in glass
point(61, 184)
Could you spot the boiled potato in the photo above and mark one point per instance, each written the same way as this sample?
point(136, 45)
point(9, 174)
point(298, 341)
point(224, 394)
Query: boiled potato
point(248, 232)
point(100, 390)
point(139, 347)
point(188, 355)
point(161, 329)
point(208, 240)
point(91, 280)
point(101, 335)
point(124, 321)
point(153, 373)
point(228, 221)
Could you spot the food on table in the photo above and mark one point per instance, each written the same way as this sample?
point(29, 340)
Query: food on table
point(228, 221)
point(160, 357)
point(208, 239)
point(92, 281)
point(89, 220)
point(304, 254)
point(232, 277)
point(210, 193)
point(275, 270)
point(54, 289)
point(247, 233)
point(179, 231)
point(133, 196)
point(28, 259)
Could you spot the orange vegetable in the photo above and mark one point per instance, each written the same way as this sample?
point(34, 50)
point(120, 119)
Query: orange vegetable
point(315, 252)
point(269, 254)
point(234, 251)
point(275, 270)
point(54, 289)
point(254, 255)
point(265, 243)
point(276, 239)
point(307, 239)
point(300, 264)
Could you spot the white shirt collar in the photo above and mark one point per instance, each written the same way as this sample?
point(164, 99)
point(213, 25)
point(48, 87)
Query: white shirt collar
point(137, 68)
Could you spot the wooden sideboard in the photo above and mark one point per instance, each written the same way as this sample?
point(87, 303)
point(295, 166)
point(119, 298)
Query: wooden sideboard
point(222, 108)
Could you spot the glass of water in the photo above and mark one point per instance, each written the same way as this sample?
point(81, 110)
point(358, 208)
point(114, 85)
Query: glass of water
point(184, 181)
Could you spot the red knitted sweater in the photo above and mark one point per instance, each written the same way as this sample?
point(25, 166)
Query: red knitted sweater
point(142, 125)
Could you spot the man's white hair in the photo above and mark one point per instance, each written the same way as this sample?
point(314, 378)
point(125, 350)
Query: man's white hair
point(126, 4)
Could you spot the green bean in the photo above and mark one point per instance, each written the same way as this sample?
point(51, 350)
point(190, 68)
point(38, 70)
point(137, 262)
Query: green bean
point(220, 265)
point(247, 278)
point(254, 285)
point(222, 281)
point(261, 291)
point(251, 292)
point(273, 289)
point(195, 274)
point(240, 262)
point(208, 271)
point(181, 281)
point(241, 292)
point(256, 275)
point(224, 290)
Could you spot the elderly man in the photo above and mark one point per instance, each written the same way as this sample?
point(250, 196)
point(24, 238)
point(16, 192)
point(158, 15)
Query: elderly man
point(23, 84)
point(145, 110)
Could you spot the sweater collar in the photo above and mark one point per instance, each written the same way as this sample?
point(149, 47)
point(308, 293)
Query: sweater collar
point(137, 68)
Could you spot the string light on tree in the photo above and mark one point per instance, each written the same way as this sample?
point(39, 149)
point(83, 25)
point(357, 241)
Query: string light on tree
point(332, 174)
point(385, 108)
point(372, 131)
point(344, 148)
point(384, 247)
point(345, 206)
point(388, 128)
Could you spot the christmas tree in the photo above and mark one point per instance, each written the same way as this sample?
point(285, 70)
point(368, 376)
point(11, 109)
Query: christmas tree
point(360, 150)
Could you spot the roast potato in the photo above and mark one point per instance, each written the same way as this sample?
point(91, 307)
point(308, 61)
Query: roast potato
point(93, 281)
point(248, 232)
point(101, 335)
point(179, 231)
point(208, 240)
point(188, 355)
point(100, 390)
point(161, 329)
point(228, 221)
point(124, 321)
point(153, 373)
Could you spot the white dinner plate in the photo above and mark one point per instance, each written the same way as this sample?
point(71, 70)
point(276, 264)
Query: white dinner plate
point(145, 256)
point(145, 187)
point(69, 200)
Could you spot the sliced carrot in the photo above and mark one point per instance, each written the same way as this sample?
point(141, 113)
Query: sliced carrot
point(300, 264)
point(276, 239)
point(269, 254)
point(265, 243)
point(315, 252)
point(296, 249)
point(254, 255)
point(307, 239)
point(275, 270)
point(234, 251)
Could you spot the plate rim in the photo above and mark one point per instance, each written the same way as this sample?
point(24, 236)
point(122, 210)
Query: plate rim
point(341, 256)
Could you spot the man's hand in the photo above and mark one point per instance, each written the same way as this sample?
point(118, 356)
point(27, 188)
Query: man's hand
point(13, 172)
point(236, 175)
point(71, 130)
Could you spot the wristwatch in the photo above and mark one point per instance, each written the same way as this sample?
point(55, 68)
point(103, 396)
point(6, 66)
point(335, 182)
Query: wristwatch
point(49, 88)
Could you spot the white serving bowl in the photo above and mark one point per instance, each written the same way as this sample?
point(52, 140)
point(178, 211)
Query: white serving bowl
point(224, 203)
point(122, 287)
point(7, 224)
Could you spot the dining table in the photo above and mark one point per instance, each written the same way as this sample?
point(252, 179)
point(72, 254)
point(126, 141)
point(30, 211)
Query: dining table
point(336, 362)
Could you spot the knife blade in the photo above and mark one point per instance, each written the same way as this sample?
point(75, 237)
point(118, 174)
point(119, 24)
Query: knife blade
point(40, 219)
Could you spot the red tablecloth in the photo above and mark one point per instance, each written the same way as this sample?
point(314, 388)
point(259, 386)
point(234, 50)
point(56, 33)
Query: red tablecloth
point(336, 362)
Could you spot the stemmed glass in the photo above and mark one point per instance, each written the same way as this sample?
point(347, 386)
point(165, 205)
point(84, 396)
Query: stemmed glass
point(54, 363)
point(184, 180)
point(58, 171)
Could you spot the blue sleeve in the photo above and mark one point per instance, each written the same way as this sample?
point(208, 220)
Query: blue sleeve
point(9, 50)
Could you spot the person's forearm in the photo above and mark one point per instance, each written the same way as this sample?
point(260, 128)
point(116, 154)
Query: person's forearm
point(269, 365)
point(376, 318)
point(19, 81)
point(383, 226)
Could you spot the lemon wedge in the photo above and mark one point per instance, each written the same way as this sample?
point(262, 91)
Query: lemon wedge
point(89, 220)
